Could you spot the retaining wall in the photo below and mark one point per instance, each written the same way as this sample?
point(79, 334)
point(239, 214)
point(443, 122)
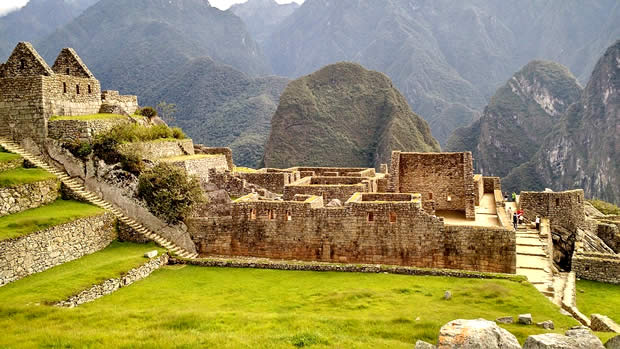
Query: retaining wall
point(26, 196)
point(597, 267)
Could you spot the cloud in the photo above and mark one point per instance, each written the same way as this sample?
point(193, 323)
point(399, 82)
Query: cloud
point(7, 6)
point(225, 4)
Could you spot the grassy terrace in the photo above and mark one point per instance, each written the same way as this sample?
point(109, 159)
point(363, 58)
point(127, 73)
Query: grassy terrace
point(188, 306)
point(187, 157)
point(600, 298)
point(6, 157)
point(56, 213)
point(88, 117)
point(17, 176)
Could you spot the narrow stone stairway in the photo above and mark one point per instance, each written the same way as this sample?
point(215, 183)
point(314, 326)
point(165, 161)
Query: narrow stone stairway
point(94, 199)
point(533, 261)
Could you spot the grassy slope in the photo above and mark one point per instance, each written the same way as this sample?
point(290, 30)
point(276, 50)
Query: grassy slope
point(88, 117)
point(16, 176)
point(599, 298)
point(58, 212)
point(232, 308)
point(6, 157)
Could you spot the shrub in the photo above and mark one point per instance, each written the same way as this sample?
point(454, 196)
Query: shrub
point(169, 192)
point(79, 149)
point(149, 112)
point(178, 133)
point(605, 207)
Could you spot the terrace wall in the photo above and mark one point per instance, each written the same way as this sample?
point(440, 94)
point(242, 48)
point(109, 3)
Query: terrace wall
point(272, 181)
point(26, 196)
point(597, 267)
point(159, 149)
point(413, 238)
point(128, 103)
point(36, 252)
point(82, 130)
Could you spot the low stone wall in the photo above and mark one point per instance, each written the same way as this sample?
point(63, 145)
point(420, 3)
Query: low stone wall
point(201, 149)
point(9, 165)
point(128, 103)
point(490, 184)
point(82, 130)
point(272, 181)
point(597, 267)
point(159, 149)
point(36, 252)
point(111, 285)
point(200, 167)
point(26, 196)
point(333, 267)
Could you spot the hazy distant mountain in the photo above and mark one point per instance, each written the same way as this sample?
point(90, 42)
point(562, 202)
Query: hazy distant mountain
point(343, 115)
point(220, 106)
point(262, 17)
point(135, 45)
point(583, 149)
point(518, 118)
point(36, 20)
point(446, 56)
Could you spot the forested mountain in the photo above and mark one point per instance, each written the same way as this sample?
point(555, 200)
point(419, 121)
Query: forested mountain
point(262, 17)
point(343, 115)
point(37, 19)
point(583, 149)
point(220, 106)
point(518, 118)
point(135, 45)
point(446, 56)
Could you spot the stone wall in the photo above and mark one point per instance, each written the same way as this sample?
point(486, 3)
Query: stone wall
point(564, 209)
point(22, 112)
point(328, 192)
point(491, 184)
point(11, 164)
point(272, 181)
point(478, 189)
point(68, 95)
point(159, 149)
point(597, 267)
point(82, 130)
point(200, 167)
point(201, 149)
point(36, 252)
point(26, 196)
point(446, 178)
point(609, 232)
point(111, 285)
point(335, 171)
point(397, 233)
point(128, 103)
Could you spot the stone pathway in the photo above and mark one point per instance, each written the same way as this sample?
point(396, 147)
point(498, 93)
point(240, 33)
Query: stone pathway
point(533, 261)
point(94, 199)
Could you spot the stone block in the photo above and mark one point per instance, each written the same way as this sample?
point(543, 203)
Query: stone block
point(151, 254)
point(525, 319)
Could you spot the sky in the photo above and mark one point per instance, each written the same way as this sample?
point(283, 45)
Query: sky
point(10, 5)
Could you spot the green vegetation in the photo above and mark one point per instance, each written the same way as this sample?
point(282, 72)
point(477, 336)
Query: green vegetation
point(79, 149)
point(169, 192)
point(313, 124)
point(7, 157)
point(187, 306)
point(186, 157)
point(22, 175)
point(605, 207)
point(88, 117)
point(56, 213)
point(149, 112)
point(598, 298)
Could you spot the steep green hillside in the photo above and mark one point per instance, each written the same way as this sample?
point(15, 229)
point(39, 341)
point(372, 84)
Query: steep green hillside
point(343, 115)
point(582, 149)
point(518, 117)
point(445, 56)
point(135, 45)
point(262, 17)
point(220, 106)
point(36, 20)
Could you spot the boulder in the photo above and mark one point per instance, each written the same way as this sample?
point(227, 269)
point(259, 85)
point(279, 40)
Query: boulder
point(613, 343)
point(424, 345)
point(584, 338)
point(580, 338)
point(478, 333)
point(505, 320)
point(525, 319)
point(547, 325)
point(602, 323)
point(447, 295)
point(151, 254)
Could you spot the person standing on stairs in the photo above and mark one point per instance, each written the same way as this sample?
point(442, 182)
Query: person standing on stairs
point(515, 220)
point(537, 223)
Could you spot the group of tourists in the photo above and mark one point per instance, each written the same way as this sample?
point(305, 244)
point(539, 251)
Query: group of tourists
point(519, 218)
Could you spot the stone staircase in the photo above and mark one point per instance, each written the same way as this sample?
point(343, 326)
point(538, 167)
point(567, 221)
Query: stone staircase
point(533, 260)
point(94, 199)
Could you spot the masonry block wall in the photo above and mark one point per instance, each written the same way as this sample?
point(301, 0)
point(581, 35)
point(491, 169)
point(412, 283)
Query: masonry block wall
point(159, 149)
point(564, 209)
point(385, 233)
point(446, 178)
point(201, 149)
point(127, 103)
point(22, 197)
point(597, 267)
point(22, 112)
point(83, 130)
point(272, 181)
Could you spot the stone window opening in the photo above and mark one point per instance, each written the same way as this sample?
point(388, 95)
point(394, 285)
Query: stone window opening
point(68, 71)
point(64, 87)
point(22, 64)
point(371, 217)
point(77, 89)
point(253, 214)
point(557, 202)
point(90, 91)
point(449, 198)
point(392, 217)
point(430, 196)
point(289, 217)
point(271, 215)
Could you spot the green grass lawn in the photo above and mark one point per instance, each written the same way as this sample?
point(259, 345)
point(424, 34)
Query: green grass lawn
point(22, 175)
point(188, 306)
point(58, 212)
point(88, 117)
point(598, 297)
point(6, 157)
